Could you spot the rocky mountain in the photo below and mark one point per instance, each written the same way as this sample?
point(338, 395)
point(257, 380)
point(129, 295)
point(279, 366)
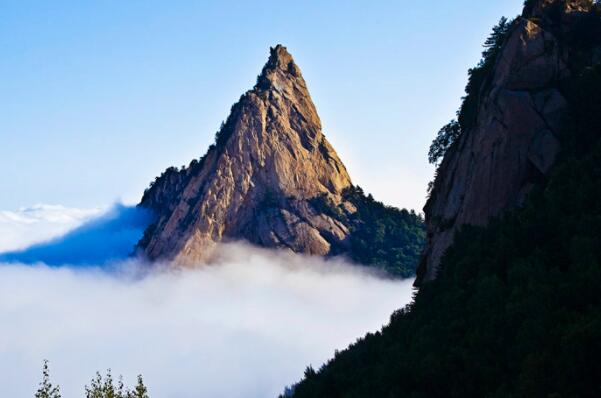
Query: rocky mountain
point(513, 307)
point(271, 178)
point(509, 139)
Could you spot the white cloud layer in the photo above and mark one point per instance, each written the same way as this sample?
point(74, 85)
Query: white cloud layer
point(28, 225)
point(246, 326)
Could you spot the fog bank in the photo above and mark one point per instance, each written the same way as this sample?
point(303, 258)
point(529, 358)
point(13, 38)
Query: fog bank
point(244, 327)
point(28, 225)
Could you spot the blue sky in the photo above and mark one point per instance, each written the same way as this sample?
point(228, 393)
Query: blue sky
point(98, 97)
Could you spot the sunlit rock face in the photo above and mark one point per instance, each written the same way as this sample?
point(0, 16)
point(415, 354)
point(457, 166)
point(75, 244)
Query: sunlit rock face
point(514, 140)
point(258, 182)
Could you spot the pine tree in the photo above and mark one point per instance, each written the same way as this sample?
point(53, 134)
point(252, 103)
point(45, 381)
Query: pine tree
point(108, 388)
point(47, 390)
point(104, 387)
point(95, 388)
point(494, 42)
point(443, 141)
point(140, 391)
point(121, 391)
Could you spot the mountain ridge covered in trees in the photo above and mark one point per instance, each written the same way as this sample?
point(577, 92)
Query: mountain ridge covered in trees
point(515, 310)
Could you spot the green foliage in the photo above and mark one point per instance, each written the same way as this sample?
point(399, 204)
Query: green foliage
point(104, 387)
point(164, 175)
point(221, 135)
point(383, 236)
point(47, 390)
point(479, 78)
point(140, 391)
point(227, 128)
point(444, 139)
point(516, 309)
point(528, 4)
point(324, 205)
point(100, 387)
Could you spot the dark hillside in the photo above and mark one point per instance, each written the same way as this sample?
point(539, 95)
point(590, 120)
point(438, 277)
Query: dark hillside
point(516, 308)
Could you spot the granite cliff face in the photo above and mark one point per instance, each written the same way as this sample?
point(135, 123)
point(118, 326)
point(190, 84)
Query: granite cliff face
point(260, 182)
point(513, 142)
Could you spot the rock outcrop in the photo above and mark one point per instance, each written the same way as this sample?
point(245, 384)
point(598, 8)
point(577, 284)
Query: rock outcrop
point(260, 182)
point(514, 140)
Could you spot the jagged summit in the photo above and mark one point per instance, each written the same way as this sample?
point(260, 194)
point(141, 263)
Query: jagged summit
point(274, 180)
point(279, 57)
point(279, 66)
point(269, 162)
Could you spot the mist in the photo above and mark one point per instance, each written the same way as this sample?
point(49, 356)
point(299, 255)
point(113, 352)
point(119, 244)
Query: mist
point(28, 225)
point(106, 238)
point(245, 326)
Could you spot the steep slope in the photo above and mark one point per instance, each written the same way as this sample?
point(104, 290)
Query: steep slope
point(271, 178)
point(509, 125)
point(515, 308)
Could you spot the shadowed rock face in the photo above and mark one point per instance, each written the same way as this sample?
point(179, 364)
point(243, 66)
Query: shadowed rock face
point(514, 141)
point(257, 183)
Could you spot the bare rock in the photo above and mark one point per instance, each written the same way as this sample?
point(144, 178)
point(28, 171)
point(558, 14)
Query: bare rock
point(270, 160)
point(514, 141)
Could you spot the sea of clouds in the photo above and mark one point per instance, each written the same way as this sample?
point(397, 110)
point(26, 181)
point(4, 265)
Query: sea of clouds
point(245, 326)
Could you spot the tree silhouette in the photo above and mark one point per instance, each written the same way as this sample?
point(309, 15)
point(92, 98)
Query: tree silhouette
point(47, 390)
point(140, 391)
point(104, 387)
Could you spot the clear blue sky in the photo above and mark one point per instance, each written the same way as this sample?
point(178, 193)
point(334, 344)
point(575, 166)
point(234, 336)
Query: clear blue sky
point(98, 97)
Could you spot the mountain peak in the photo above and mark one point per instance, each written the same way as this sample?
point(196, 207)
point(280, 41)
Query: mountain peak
point(280, 67)
point(279, 56)
point(262, 182)
point(272, 179)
